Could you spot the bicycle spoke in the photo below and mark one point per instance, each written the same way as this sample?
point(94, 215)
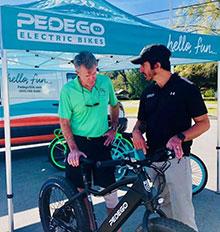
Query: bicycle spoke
point(57, 200)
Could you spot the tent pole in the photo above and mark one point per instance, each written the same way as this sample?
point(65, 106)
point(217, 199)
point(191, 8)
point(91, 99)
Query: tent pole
point(5, 98)
point(218, 130)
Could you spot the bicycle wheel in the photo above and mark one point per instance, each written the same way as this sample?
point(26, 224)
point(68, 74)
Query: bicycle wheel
point(165, 225)
point(199, 174)
point(121, 148)
point(53, 195)
point(58, 153)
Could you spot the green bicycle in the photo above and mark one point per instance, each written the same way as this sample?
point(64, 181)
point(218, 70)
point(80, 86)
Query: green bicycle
point(58, 149)
point(122, 148)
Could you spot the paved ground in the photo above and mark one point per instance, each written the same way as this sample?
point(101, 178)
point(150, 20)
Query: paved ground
point(31, 168)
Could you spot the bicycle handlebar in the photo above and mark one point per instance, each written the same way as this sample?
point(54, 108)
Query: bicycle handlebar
point(112, 163)
point(149, 159)
point(86, 161)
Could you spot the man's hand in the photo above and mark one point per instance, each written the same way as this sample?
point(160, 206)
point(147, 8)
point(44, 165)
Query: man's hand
point(175, 144)
point(139, 141)
point(73, 157)
point(110, 136)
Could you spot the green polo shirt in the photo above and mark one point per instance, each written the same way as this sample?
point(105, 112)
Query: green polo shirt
point(85, 120)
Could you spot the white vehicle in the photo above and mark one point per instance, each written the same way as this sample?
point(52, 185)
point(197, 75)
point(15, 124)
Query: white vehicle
point(34, 99)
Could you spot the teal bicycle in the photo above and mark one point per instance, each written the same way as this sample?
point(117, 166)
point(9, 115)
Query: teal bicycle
point(122, 148)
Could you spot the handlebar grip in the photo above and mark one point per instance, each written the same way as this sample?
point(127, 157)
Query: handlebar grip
point(85, 161)
point(163, 153)
point(109, 163)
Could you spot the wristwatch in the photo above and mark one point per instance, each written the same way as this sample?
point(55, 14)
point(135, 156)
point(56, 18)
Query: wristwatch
point(181, 136)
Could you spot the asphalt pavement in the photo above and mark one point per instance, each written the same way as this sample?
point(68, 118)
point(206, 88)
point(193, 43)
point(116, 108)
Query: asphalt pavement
point(30, 168)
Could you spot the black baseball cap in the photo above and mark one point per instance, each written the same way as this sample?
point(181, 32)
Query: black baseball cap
point(156, 52)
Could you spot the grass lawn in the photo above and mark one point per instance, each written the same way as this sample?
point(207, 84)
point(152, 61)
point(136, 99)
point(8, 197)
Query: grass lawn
point(212, 107)
point(131, 107)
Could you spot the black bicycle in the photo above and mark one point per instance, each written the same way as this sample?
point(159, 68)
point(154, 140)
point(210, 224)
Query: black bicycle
point(122, 148)
point(62, 208)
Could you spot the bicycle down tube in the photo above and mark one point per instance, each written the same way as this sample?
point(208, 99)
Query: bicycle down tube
point(126, 206)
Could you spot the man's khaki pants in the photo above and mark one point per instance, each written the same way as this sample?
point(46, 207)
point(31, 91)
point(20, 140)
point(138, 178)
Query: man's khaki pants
point(178, 192)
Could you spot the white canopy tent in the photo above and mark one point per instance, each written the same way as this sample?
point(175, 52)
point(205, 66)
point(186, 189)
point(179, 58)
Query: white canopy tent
point(49, 33)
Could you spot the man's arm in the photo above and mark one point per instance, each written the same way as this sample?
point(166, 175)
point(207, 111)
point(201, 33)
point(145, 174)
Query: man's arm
point(138, 139)
point(67, 133)
point(114, 114)
point(201, 125)
point(110, 135)
point(73, 156)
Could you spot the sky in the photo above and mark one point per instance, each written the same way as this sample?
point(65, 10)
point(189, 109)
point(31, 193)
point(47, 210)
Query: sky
point(136, 7)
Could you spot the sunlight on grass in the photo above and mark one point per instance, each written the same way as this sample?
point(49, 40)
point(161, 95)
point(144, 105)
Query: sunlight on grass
point(212, 111)
point(212, 107)
point(131, 111)
point(131, 107)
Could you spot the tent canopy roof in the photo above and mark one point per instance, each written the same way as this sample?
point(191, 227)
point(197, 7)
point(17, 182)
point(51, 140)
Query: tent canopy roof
point(96, 9)
point(26, 59)
point(48, 33)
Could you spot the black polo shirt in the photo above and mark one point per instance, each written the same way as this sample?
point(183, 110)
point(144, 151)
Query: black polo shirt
point(169, 110)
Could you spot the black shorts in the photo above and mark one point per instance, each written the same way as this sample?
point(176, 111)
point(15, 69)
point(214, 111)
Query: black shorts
point(95, 149)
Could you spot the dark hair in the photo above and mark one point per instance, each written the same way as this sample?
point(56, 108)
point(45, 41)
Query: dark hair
point(165, 64)
point(85, 58)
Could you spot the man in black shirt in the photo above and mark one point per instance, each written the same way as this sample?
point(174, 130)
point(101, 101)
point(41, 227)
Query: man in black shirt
point(167, 107)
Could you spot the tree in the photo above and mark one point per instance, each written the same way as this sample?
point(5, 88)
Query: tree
point(119, 83)
point(131, 80)
point(203, 17)
point(203, 75)
point(115, 74)
point(136, 82)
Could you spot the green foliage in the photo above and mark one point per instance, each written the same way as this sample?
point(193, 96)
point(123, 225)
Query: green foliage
point(136, 83)
point(119, 79)
point(203, 75)
point(202, 18)
point(119, 83)
point(209, 93)
point(132, 81)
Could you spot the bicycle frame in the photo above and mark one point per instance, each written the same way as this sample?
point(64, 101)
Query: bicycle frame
point(121, 149)
point(139, 192)
point(126, 206)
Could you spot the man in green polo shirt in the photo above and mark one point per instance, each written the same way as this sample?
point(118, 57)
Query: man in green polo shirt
point(83, 112)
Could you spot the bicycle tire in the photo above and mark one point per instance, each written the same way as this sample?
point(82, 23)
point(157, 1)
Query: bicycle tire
point(57, 154)
point(76, 214)
point(165, 225)
point(199, 174)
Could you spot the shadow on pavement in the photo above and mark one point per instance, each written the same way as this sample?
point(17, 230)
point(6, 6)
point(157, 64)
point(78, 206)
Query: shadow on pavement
point(207, 214)
point(207, 205)
point(33, 228)
point(30, 168)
